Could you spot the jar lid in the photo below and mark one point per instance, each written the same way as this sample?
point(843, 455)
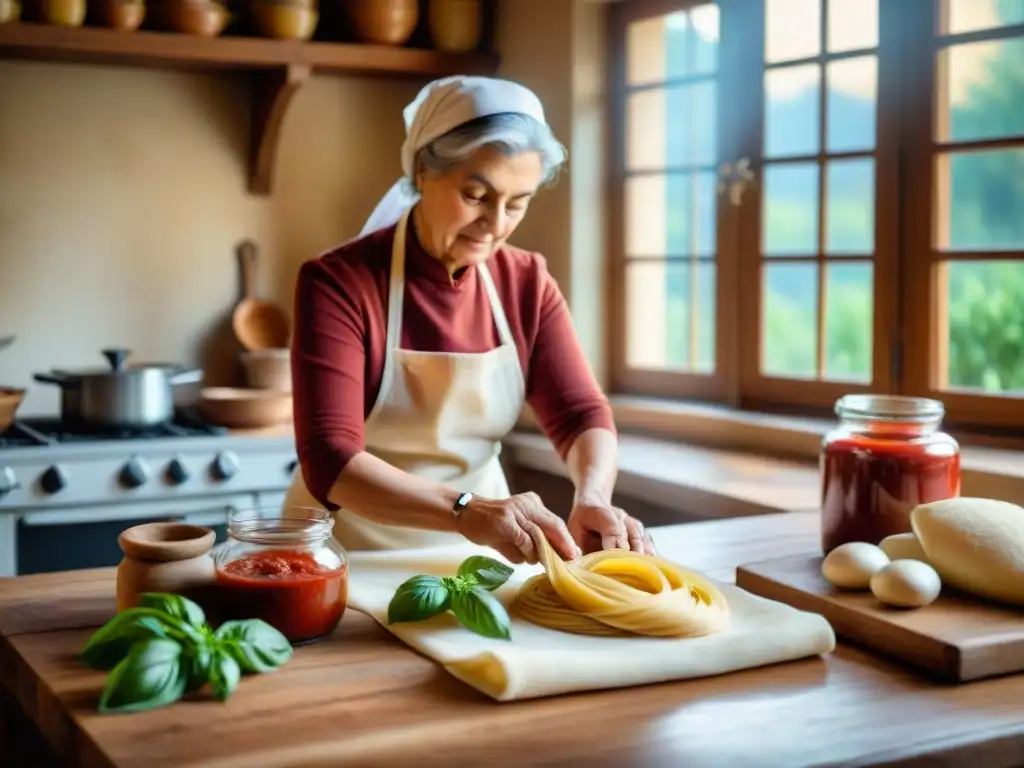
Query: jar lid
point(889, 407)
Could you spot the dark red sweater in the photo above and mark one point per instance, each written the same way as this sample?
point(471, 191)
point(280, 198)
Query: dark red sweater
point(340, 332)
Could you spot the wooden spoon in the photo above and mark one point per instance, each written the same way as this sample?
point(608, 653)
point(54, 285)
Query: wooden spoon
point(258, 324)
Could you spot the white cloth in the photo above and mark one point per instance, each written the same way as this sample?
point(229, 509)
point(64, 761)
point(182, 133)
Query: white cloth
point(441, 106)
point(543, 662)
point(439, 415)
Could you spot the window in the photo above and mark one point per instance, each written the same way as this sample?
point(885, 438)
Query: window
point(815, 197)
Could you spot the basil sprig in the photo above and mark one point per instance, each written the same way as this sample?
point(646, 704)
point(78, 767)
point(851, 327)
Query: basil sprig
point(162, 649)
point(467, 595)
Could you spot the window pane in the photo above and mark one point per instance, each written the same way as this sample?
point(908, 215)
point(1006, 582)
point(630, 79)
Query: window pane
point(852, 25)
point(659, 317)
point(792, 29)
point(792, 125)
point(671, 214)
point(790, 320)
point(705, 317)
point(849, 319)
point(986, 325)
point(649, 143)
point(679, 44)
point(984, 91)
point(852, 93)
point(850, 215)
point(790, 218)
point(981, 196)
point(970, 15)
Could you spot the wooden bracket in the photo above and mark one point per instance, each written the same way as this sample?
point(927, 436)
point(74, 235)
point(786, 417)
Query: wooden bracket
point(273, 92)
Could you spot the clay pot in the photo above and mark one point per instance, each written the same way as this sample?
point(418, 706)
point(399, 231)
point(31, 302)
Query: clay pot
point(10, 10)
point(285, 19)
point(388, 22)
point(203, 18)
point(455, 25)
point(165, 557)
point(125, 15)
point(63, 13)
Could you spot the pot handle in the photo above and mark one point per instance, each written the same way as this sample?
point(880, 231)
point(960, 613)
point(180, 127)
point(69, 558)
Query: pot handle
point(116, 357)
point(55, 378)
point(193, 376)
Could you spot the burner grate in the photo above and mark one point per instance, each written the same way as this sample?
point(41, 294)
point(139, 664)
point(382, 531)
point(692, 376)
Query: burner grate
point(52, 431)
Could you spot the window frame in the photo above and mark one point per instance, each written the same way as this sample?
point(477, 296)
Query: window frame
point(906, 306)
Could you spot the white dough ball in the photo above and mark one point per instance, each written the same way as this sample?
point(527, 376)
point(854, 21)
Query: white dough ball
point(906, 584)
point(851, 565)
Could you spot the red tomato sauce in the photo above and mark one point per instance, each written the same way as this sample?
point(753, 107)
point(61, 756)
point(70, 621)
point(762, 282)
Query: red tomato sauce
point(291, 591)
point(870, 485)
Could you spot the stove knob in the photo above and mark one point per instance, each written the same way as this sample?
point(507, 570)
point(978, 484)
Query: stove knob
point(134, 473)
point(177, 472)
point(225, 466)
point(53, 480)
point(8, 481)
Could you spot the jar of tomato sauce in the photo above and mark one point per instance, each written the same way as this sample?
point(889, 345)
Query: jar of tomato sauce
point(285, 567)
point(886, 456)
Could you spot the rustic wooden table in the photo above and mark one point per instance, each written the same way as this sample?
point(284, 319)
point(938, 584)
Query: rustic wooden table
point(363, 698)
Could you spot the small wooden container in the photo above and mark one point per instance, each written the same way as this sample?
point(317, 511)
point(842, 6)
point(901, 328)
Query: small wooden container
point(165, 557)
point(386, 22)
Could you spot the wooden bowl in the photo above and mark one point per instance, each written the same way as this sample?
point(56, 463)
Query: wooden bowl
point(387, 22)
point(204, 18)
point(284, 19)
point(124, 15)
point(269, 368)
point(10, 399)
point(245, 408)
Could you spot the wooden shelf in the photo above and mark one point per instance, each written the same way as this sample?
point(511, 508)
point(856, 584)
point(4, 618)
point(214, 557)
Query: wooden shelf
point(279, 67)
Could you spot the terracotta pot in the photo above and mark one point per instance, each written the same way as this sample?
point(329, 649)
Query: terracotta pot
point(10, 10)
point(456, 25)
point(285, 19)
point(126, 15)
point(388, 22)
point(165, 557)
point(63, 13)
point(204, 18)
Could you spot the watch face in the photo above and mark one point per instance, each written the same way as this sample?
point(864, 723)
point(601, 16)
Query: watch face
point(464, 499)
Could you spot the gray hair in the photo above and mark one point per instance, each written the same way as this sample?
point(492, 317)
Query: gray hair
point(511, 133)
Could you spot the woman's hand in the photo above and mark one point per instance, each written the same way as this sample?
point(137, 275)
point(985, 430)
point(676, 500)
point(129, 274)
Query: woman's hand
point(506, 525)
point(596, 526)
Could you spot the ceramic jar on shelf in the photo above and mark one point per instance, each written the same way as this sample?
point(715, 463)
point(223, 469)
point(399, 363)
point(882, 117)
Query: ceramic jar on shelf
point(385, 22)
point(123, 15)
point(455, 25)
point(285, 19)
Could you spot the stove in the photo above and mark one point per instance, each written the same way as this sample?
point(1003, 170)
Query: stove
point(66, 492)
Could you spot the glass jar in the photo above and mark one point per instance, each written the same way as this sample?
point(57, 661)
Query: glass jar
point(884, 458)
point(285, 567)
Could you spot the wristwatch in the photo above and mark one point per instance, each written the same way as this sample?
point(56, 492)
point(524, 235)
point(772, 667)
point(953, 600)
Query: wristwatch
point(460, 504)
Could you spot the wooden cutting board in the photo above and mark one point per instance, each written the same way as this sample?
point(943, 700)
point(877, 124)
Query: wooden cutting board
point(956, 638)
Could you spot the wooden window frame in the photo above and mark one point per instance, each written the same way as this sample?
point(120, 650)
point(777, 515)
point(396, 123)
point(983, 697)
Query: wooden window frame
point(906, 311)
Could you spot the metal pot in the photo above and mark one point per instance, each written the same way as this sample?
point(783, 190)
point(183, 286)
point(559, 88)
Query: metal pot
point(120, 397)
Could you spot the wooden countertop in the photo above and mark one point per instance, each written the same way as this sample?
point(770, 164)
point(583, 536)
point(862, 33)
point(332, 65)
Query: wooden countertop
point(364, 698)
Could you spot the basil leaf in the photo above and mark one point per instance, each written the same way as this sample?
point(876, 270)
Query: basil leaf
point(418, 598)
point(153, 674)
point(199, 667)
point(254, 644)
point(224, 675)
point(488, 572)
point(110, 643)
point(481, 612)
point(174, 605)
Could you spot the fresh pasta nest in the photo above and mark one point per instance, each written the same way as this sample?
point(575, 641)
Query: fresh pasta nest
point(616, 592)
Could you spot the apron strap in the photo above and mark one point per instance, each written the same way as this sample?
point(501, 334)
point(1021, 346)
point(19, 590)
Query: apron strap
point(500, 319)
point(396, 299)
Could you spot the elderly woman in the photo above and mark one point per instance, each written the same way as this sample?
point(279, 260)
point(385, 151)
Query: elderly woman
point(418, 343)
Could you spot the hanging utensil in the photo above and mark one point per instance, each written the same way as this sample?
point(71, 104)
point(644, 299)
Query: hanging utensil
point(258, 324)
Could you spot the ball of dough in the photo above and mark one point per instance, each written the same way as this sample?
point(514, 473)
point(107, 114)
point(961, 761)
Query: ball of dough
point(906, 584)
point(903, 546)
point(976, 544)
point(851, 565)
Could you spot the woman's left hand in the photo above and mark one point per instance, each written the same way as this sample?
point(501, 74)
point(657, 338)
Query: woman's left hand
point(602, 526)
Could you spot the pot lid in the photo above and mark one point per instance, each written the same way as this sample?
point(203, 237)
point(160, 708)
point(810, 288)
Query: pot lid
point(116, 359)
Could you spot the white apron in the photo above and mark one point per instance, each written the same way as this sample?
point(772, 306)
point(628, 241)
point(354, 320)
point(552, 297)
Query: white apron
point(438, 415)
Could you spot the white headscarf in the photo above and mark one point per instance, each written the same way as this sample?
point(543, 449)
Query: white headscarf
point(440, 107)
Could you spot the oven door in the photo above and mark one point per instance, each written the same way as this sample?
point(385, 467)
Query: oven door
point(86, 537)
